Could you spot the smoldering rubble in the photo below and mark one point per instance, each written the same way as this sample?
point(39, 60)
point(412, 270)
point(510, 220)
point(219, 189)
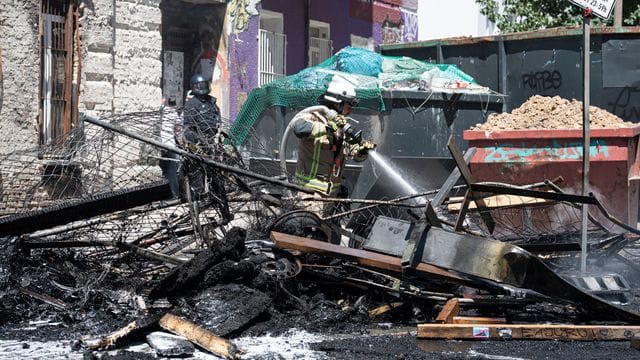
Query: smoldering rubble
point(107, 258)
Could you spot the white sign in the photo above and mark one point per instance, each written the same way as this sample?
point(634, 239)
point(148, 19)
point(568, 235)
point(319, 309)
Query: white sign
point(600, 8)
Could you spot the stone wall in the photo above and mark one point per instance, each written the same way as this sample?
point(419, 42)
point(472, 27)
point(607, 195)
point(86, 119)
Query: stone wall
point(122, 67)
point(121, 63)
point(21, 72)
point(138, 56)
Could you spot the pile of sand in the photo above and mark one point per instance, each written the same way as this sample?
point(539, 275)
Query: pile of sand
point(543, 112)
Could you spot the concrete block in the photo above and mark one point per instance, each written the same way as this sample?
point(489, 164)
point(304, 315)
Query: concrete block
point(98, 63)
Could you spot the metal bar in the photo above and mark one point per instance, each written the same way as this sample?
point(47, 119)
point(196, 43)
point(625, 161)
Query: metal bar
point(586, 64)
point(495, 189)
point(617, 13)
point(68, 72)
point(197, 158)
point(45, 298)
point(503, 87)
point(76, 31)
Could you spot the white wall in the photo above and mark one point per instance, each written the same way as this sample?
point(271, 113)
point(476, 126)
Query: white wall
point(450, 18)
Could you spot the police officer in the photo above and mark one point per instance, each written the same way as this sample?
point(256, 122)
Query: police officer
point(201, 127)
point(201, 114)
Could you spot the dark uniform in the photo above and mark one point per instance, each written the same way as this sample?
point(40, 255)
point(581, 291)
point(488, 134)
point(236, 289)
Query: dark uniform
point(201, 125)
point(201, 120)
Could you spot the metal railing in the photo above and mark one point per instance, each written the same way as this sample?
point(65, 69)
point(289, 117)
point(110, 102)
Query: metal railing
point(319, 50)
point(272, 56)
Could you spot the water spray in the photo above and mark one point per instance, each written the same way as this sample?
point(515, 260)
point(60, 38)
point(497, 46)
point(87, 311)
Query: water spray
point(394, 174)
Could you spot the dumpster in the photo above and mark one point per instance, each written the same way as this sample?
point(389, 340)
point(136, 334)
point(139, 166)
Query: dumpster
point(527, 156)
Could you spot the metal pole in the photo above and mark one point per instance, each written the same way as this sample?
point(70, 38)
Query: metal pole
point(586, 147)
point(617, 13)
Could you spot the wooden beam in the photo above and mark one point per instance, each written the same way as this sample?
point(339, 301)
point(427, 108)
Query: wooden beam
point(478, 320)
point(200, 336)
point(528, 332)
point(383, 309)
point(498, 201)
point(450, 309)
point(362, 257)
point(123, 335)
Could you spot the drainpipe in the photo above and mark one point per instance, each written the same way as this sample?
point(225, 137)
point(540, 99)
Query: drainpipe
point(307, 19)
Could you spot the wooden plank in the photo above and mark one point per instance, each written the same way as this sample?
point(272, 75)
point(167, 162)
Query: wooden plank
point(528, 332)
point(463, 212)
point(124, 335)
point(383, 309)
point(465, 171)
point(450, 310)
point(200, 336)
point(363, 257)
point(477, 320)
point(451, 180)
point(498, 201)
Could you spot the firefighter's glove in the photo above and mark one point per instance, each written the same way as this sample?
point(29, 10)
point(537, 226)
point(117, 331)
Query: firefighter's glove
point(330, 114)
point(365, 146)
point(338, 123)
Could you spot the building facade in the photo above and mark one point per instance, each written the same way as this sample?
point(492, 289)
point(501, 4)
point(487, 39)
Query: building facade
point(62, 58)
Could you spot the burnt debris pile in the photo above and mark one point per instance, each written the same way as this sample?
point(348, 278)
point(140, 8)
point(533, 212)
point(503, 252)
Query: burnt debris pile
point(97, 246)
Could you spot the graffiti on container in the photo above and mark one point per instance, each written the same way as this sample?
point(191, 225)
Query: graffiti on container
point(620, 106)
point(542, 80)
point(557, 151)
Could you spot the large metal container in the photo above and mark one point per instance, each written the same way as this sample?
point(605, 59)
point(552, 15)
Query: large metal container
point(411, 134)
point(546, 62)
point(528, 156)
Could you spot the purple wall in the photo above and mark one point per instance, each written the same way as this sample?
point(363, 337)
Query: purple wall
point(293, 17)
point(243, 65)
point(346, 17)
point(336, 13)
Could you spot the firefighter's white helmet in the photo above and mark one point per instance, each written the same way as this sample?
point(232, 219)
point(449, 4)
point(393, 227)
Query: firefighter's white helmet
point(340, 90)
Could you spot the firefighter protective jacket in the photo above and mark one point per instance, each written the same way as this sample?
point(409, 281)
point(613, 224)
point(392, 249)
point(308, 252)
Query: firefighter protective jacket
point(322, 152)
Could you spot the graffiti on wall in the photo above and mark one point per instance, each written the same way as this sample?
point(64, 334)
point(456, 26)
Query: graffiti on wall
point(240, 13)
point(623, 105)
point(570, 150)
point(392, 32)
point(397, 24)
point(410, 21)
point(542, 80)
point(410, 30)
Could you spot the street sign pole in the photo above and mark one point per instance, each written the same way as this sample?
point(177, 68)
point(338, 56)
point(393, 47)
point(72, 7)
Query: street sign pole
point(602, 9)
point(586, 146)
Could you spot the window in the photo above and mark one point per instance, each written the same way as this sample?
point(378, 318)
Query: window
point(320, 45)
point(272, 47)
point(58, 113)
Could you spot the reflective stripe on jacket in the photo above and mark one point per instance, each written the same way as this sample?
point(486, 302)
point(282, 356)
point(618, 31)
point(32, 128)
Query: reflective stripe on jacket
point(320, 156)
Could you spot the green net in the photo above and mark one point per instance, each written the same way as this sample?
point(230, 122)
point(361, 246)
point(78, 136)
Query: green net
point(370, 73)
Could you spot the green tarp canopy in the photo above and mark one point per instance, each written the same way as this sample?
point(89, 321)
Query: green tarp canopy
point(370, 73)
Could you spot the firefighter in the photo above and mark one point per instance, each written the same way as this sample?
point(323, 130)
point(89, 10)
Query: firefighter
point(325, 141)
